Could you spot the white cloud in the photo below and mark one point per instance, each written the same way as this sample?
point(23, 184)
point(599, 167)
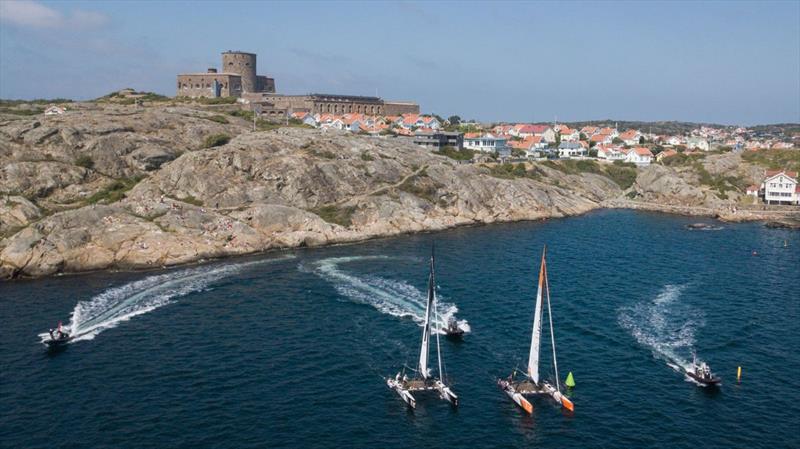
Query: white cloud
point(31, 14)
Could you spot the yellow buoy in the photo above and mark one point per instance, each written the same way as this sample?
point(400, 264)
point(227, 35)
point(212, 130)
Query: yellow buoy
point(739, 374)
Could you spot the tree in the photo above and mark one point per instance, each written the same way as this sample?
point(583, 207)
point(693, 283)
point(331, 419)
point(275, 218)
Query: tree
point(641, 140)
point(617, 141)
point(454, 120)
point(583, 137)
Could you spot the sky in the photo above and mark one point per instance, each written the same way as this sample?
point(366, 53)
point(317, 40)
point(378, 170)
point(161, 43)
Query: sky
point(719, 62)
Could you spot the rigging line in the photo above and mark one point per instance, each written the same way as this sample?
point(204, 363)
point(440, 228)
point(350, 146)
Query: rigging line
point(552, 333)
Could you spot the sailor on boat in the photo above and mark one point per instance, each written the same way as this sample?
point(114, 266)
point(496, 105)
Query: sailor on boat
point(58, 335)
point(452, 329)
point(701, 373)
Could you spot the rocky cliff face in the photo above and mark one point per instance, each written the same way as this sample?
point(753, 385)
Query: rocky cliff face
point(116, 187)
point(106, 187)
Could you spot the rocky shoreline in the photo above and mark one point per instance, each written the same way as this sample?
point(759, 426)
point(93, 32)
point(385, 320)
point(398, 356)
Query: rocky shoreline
point(124, 188)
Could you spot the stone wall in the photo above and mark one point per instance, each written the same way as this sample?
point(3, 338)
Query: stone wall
point(202, 85)
point(266, 84)
point(400, 108)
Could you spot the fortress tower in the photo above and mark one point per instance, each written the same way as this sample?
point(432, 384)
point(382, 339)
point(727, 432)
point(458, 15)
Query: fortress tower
point(243, 64)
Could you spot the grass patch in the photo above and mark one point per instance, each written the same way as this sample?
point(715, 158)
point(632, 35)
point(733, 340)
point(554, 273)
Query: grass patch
point(325, 154)
point(342, 216)
point(25, 112)
point(681, 159)
point(207, 100)
point(463, 154)
point(720, 183)
point(514, 171)
point(114, 191)
point(575, 167)
point(189, 199)
point(366, 157)
point(218, 118)
point(622, 174)
point(216, 140)
point(774, 159)
point(421, 185)
point(84, 161)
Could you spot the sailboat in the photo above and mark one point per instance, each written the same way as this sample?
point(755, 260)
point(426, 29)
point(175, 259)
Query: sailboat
point(532, 383)
point(424, 380)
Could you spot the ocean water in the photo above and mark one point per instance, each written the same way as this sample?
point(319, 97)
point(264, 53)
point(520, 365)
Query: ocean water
point(290, 349)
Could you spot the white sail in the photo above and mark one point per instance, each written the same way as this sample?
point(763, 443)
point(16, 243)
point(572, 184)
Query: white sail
point(533, 360)
point(426, 328)
point(552, 333)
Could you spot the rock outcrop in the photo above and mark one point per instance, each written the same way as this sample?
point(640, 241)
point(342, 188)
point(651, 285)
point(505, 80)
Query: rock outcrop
point(114, 187)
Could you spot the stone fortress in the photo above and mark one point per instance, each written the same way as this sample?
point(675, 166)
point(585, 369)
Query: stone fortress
point(238, 78)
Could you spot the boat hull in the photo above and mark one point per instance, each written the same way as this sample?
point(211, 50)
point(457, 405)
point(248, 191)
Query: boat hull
point(401, 391)
point(704, 382)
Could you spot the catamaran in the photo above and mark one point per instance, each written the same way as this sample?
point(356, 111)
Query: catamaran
point(532, 383)
point(424, 380)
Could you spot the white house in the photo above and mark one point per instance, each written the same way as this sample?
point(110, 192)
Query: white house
point(571, 150)
point(640, 156)
point(569, 135)
point(610, 153)
point(780, 187)
point(488, 143)
point(674, 140)
point(631, 137)
point(549, 135)
point(430, 122)
point(697, 143)
point(305, 117)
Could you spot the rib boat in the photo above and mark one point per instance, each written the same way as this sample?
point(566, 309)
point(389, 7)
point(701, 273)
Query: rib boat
point(701, 373)
point(531, 383)
point(423, 380)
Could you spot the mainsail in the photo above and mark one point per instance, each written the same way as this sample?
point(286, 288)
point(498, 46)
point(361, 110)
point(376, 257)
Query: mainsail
point(533, 360)
point(426, 329)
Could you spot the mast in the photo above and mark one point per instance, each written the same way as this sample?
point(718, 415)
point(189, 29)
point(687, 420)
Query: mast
point(426, 328)
point(552, 334)
point(436, 320)
point(533, 360)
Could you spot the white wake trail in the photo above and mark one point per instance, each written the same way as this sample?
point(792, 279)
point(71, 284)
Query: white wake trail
point(396, 298)
point(664, 325)
point(113, 306)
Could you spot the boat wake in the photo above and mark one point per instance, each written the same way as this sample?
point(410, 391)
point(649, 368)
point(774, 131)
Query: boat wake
point(396, 298)
point(664, 325)
point(113, 306)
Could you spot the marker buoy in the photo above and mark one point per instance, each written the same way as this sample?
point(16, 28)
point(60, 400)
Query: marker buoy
point(739, 374)
point(570, 382)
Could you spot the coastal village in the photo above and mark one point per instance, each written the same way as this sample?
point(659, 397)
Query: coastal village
point(535, 141)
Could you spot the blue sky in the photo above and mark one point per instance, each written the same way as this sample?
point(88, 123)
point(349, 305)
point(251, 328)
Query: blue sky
point(723, 62)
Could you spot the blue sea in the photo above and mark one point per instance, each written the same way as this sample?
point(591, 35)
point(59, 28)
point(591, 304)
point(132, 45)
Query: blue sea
point(290, 349)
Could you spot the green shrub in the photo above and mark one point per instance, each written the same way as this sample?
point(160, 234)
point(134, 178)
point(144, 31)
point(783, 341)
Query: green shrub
point(343, 216)
point(15, 111)
point(216, 140)
point(84, 161)
point(366, 157)
point(459, 155)
point(325, 154)
point(189, 199)
point(114, 191)
point(624, 176)
point(217, 118)
point(420, 185)
point(774, 159)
